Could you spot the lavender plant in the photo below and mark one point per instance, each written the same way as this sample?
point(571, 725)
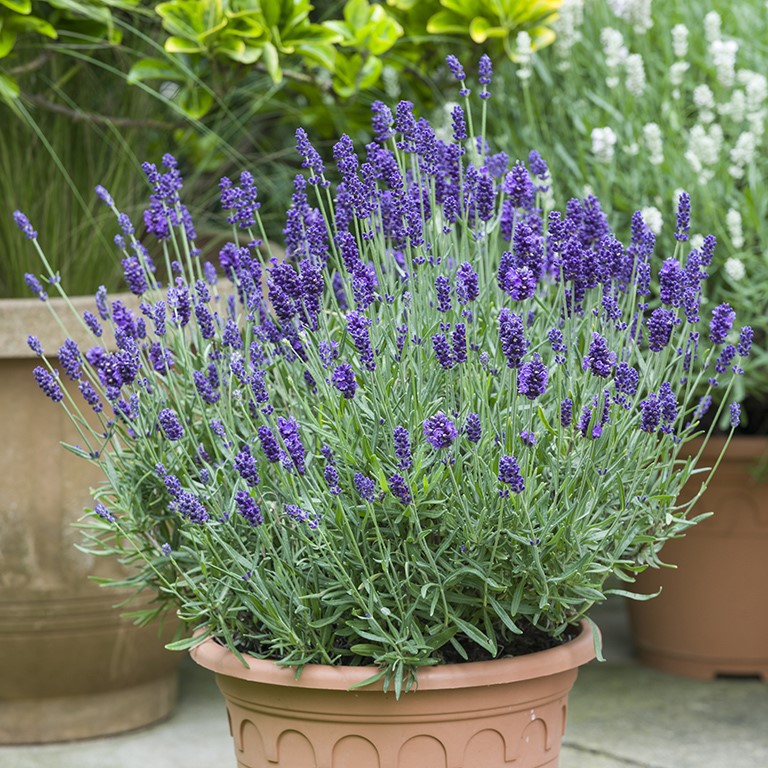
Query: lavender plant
point(431, 432)
point(638, 100)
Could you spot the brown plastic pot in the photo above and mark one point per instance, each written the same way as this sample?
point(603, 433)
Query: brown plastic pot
point(711, 619)
point(487, 714)
point(70, 667)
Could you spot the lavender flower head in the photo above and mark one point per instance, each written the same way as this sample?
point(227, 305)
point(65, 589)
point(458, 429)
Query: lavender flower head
point(439, 431)
point(22, 222)
point(344, 380)
point(532, 378)
point(509, 474)
point(402, 447)
point(723, 316)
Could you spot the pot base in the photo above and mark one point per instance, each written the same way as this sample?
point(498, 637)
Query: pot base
point(67, 718)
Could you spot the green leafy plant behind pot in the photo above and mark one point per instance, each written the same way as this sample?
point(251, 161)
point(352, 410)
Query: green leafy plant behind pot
point(456, 413)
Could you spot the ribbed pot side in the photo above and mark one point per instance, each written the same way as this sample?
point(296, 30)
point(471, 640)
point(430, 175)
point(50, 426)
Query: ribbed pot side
point(70, 668)
point(711, 619)
point(478, 715)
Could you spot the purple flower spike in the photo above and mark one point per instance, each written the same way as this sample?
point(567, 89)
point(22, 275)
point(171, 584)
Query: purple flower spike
point(289, 431)
point(443, 351)
point(723, 316)
point(467, 283)
point(735, 409)
point(246, 467)
point(683, 217)
point(402, 447)
point(22, 222)
point(34, 344)
point(103, 512)
point(533, 378)
point(650, 413)
point(381, 122)
point(331, 475)
point(511, 335)
point(365, 486)
point(484, 75)
point(170, 424)
point(566, 412)
point(509, 474)
point(660, 325)
point(48, 382)
point(443, 288)
point(439, 431)
point(473, 428)
point(70, 359)
point(745, 341)
point(600, 360)
point(35, 286)
point(457, 70)
point(529, 438)
point(671, 283)
point(344, 380)
point(400, 490)
point(269, 444)
point(248, 509)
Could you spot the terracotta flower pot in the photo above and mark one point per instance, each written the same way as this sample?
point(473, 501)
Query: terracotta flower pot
point(711, 618)
point(70, 667)
point(486, 714)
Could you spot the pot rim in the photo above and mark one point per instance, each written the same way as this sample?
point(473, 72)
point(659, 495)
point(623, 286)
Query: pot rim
point(570, 655)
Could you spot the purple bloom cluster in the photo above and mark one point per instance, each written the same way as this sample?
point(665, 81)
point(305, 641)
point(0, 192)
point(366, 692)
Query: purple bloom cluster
point(103, 512)
point(439, 431)
point(49, 383)
point(484, 75)
point(71, 359)
point(191, 507)
point(289, 431)
point(248, 508)
point(35, 286)
point(402, 447)
point(532, 378)
point(22, 222)
point(365, 486)
point(170, 424)
point(246, 466)
point(566, 411)
point(269, 444)
point(473, 428)
point(723, 316)
point(344, 380)
point(357, 328)
point(509, 474)
point(600, 359)
point(240, 201)
point(400, 490)
point(295, 512)
point(512, 337)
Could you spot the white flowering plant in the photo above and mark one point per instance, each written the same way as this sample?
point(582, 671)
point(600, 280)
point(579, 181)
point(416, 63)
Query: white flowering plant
point(638, 100)
point(452, 417)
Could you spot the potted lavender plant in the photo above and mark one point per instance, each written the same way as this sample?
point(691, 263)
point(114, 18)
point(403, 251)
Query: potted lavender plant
point(418, 459)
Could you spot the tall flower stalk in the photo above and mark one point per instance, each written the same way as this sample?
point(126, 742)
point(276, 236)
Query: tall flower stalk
point(441, 422)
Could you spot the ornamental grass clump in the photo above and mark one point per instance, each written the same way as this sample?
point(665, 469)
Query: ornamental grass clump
point(433, 431)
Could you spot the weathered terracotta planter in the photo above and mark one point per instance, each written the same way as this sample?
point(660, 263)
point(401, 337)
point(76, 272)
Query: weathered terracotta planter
point(711, 618)
point(489, 714)
point(70, 668)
